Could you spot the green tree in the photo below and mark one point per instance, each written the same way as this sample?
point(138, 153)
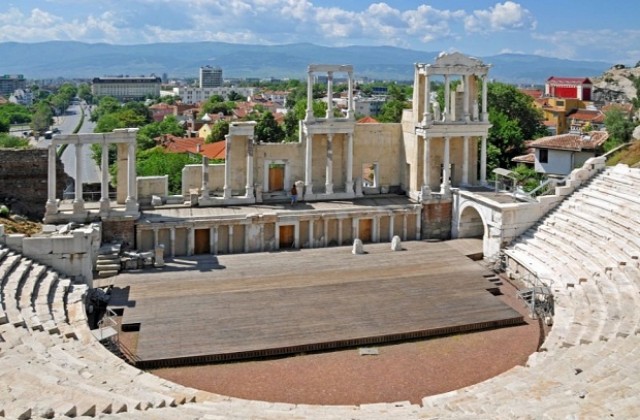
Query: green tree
point(235, 96)
point(618, 126)
point(392, 111)
point(218, 131)
point(4, 124)
point(156, 161)
point(84, 93)
point(291, 127)
point(107, 105)
point(42, 117)
point(226, 108)
point(147, 133)
point(267, 129)
point(514, 119)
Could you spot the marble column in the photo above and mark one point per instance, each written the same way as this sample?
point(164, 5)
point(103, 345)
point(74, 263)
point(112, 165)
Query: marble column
point(230, 244)
point(155, 237)
point(104, 186)
point(427, 101)
point(172, 240)
point(249, 184)
point(329, 166)
point(485, 110)
point(325, 231)
point(465, 163)
point(483, 161)
point(227, 168)
point(131, 202)
point(418, 224)
point(309, 113)
point(447, 99)
point(311, 234)
point(426, 167)
point(214, 239)
point(339, 232)
point(350, 113)
point(191, 241)
point(465, 104)
point(204, 189)
point(78, 201)
point(329, 114)
point(446, 170)
point(52, 202)
point(392, 220)
point(404, 226)
point(349, 182)
point(308, 168)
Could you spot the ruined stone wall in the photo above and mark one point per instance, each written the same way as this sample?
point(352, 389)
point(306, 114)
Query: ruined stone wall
point(436, 219)
point(120, 230)
point(23, 181)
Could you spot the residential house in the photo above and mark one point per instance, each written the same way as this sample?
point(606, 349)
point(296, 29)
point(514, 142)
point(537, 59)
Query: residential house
point(560, 154)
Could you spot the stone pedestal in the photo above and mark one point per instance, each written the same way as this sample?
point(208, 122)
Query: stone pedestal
point(159, 256)
point(358, 247)
point(396, 243)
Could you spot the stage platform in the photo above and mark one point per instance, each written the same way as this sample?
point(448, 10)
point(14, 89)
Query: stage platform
point(207, 308)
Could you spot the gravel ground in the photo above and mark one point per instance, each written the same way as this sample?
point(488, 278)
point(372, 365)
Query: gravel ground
point(400, 372)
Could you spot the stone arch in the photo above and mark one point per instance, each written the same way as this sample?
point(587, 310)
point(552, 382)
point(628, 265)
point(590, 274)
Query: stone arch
point(471, 224)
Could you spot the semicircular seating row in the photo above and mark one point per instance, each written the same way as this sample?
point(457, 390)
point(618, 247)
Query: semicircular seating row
point(589, 366)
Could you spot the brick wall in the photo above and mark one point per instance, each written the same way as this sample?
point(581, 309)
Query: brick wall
point(23, 181)
point(123, 231)
point(436, 219)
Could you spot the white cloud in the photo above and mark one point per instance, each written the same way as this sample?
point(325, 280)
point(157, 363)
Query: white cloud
point(619, 46)
point(502, 16)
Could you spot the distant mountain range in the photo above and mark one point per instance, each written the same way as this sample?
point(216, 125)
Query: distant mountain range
point(71, 59)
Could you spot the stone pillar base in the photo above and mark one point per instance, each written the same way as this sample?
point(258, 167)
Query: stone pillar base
point(131, 206)
point(105, 206)
point(425, 193)
point(348, 187)
point(78, 206)
point(328, 188)
point(249, 192)
point(227, 192)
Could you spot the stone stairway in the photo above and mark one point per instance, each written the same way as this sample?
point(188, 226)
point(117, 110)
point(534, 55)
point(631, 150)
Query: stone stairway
point(589, 365)
point(108, 261)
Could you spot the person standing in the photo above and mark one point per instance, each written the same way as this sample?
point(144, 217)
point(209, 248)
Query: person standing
point(294, 194)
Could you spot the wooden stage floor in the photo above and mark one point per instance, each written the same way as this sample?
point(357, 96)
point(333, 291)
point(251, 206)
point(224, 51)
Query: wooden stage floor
point(209, 308)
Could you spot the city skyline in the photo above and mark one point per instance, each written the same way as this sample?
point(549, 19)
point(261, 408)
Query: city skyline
point(546, 28)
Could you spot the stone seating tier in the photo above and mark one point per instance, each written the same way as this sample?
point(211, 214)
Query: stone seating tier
point(589, 366)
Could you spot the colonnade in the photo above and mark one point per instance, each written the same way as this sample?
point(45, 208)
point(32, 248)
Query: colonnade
point(126, 136)
point(329, 126)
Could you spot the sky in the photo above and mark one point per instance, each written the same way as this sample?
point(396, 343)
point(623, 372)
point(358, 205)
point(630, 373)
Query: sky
point(587, 29)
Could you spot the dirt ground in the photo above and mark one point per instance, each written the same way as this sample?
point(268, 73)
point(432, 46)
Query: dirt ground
point(27, 227)
point(400, 372)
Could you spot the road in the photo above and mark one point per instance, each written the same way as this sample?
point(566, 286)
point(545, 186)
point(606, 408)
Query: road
point(67, 123)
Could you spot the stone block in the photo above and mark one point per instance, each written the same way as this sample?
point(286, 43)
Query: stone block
point(358, 247)
point(156, 200)
point(69, 244)
point(396, 243)
point(33, 247)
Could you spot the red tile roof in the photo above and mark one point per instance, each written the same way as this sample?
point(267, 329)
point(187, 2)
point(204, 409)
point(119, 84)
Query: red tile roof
point(572, 142)
point(175, 144)
point(367, 120)
point(553, 80)
point(594, 115)
point(534, 93)
point(215, 150)
point(528, 158)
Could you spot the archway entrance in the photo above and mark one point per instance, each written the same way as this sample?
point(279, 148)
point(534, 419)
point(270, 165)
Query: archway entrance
point(470, 224)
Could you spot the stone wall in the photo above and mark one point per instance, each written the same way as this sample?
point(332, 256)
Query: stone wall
point(121, 230)
point(23, 181)
point(436, 219)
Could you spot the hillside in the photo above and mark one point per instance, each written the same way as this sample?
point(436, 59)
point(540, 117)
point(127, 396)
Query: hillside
point(616, 83)
point(81, 60)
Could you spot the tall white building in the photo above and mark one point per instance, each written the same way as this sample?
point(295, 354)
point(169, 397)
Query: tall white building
point(210, 77)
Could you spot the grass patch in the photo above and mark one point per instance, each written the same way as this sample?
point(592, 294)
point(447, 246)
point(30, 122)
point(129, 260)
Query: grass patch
point(630, 156)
